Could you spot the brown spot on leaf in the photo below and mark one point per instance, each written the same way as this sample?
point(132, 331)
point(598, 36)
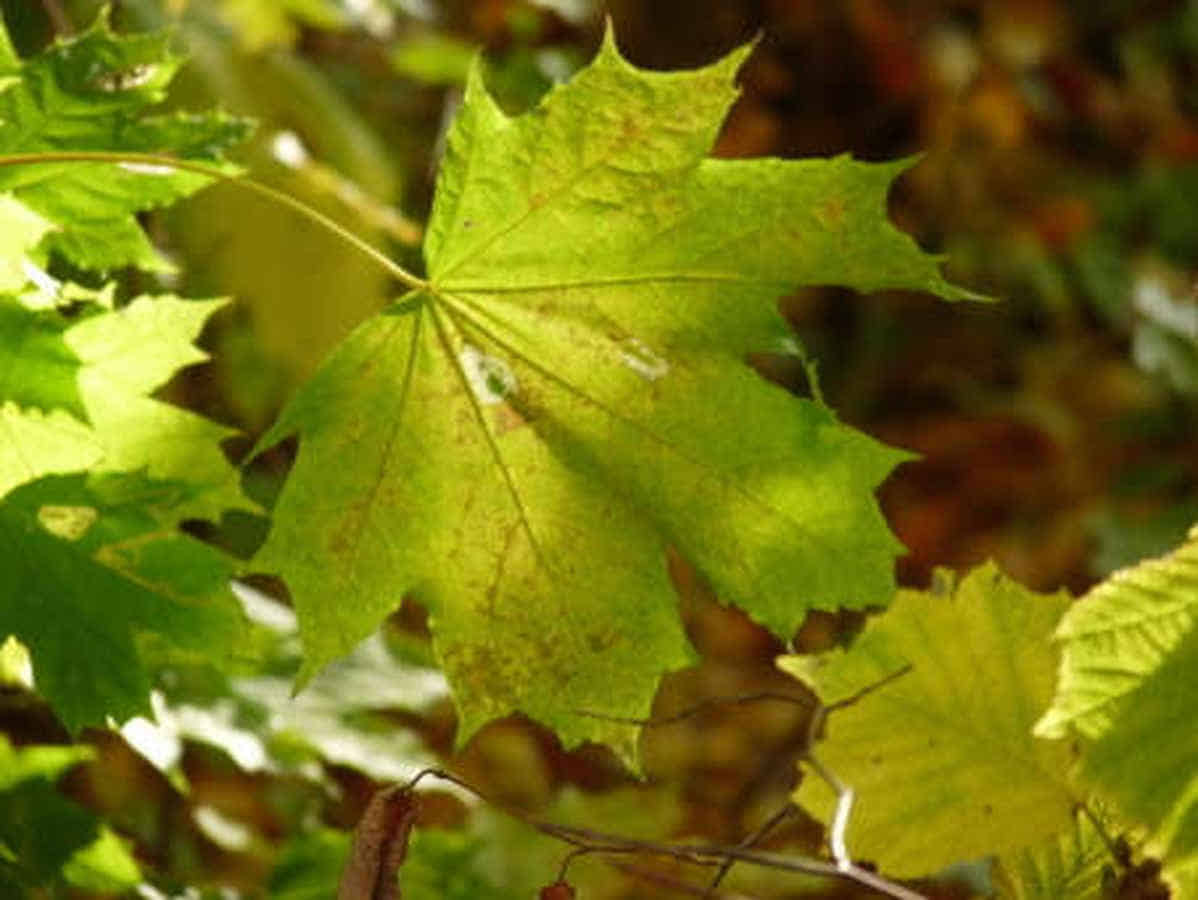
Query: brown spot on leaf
point(599, 641)
point(830, 213)
point(505, 418)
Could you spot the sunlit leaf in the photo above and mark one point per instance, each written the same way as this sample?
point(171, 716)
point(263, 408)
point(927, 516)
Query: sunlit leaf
point(127, 354)
point(91, 93)
point(40, 370)
point(941, 757)
point(21, 229)
point(518, 441)
point(104, 866)
point(1117, 635)
point(1072, 866)
point(123, 356)
point(1147, 761)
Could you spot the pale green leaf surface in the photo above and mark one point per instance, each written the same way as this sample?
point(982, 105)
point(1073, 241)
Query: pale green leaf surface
point(124, 356)
point(519, 442)
point(33, 443)
point(941, 758)
point(1147, 761)
point(433, 58)
point(1117, 635)
point(127, 354)
point(529, 623)
point(9, 60)
point(37, 761)
point(21, 229)
point(1069, 866)
point(16, 669)
point(37, 368)
point(106, 866)
point(91, 92)
point(89, 569)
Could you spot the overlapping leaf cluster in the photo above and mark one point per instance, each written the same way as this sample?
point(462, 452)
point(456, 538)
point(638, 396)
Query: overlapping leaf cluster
point(972, 679)
point(94, 473)
point(93, 93)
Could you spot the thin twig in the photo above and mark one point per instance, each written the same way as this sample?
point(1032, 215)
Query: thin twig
point(870, 688)
point(840, 818)
point(149, 162)
point(752, 838)
point(673, 884)
point(1111, 843)
point(591, 841)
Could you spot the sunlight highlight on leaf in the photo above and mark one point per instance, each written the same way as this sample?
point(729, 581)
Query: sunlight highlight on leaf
point(1117, 635)
point(92, 92)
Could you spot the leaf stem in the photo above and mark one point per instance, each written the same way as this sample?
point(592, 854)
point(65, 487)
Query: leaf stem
point(214, 171)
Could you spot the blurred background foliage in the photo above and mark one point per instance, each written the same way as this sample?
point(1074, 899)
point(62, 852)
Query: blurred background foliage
point(1058, 428)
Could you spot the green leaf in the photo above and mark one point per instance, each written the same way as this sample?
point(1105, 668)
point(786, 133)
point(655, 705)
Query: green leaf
point(39, 368)
point(20, 231)
point(50, 837)
point(38, 443)
point(1071, 866)
point(342, 719)
point(448, 865)
point(518, 441)
point(103, 866)
point(1117, 635)
point(308, 865)
point(441, 865)
point(38, 761)
point(124, 356)
point(1147, 760)
point(91, 574)
point(941, 758)
point(128, 354)
point(9, 61)
point(335, 720)
point(90, 93)
point(40, 829)
point(434, 58)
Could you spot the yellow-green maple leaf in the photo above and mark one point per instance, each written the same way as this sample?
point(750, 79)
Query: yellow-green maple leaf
point(517, 440)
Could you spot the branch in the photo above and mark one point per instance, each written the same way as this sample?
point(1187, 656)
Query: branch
point(588, 841)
